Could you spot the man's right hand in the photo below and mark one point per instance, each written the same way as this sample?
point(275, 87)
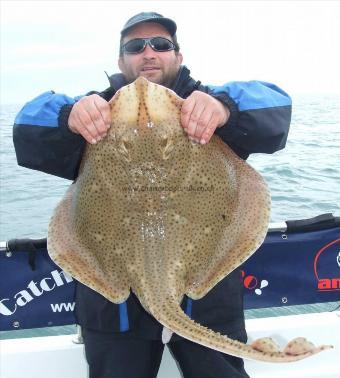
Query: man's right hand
point(91, 118)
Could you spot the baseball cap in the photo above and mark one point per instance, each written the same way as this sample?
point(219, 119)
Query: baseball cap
point(169, 25)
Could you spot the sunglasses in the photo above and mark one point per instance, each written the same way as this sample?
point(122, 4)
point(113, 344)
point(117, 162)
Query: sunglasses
point(159, 44)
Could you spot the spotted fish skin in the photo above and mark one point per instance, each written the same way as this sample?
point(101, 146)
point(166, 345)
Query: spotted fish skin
point(154, 213)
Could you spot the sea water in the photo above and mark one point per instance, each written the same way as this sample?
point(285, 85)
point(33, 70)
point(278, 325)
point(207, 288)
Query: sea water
point(304, 180)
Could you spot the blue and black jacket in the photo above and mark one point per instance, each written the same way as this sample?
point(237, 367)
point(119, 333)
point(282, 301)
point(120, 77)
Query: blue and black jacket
point(259, 121)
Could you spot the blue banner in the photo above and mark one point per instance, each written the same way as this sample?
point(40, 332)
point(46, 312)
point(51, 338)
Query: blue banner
point(289, 269)
point(29, 298)
point(294, 269)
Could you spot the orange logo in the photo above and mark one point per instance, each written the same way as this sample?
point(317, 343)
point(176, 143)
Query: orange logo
point(327, 258)
point(251, 282)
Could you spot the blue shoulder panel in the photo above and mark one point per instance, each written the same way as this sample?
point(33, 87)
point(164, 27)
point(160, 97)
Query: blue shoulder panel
point(251, 95)
point(43, 110)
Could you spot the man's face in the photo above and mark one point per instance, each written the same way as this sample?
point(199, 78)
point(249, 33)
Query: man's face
point(158, 67)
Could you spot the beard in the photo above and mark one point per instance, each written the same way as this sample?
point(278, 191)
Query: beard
point(160, 78)
point(153, 73)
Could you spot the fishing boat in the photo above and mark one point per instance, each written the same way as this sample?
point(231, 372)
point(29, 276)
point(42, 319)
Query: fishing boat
point(298, 264)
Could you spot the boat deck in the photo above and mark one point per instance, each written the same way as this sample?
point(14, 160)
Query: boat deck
point(59, 356)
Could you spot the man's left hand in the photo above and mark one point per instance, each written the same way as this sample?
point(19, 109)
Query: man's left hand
point(201, 114)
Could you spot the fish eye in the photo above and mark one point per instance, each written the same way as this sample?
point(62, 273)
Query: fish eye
point(126, 144)
point(164, 141)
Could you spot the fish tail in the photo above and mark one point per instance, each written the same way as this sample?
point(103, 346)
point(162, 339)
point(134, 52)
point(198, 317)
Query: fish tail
point(174, 318)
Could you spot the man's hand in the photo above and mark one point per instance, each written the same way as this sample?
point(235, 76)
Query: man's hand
point(91, 118)
point(201, 114)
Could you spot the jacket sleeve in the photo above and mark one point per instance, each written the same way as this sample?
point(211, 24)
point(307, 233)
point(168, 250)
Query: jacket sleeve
point(42, 139)
point(260, 115)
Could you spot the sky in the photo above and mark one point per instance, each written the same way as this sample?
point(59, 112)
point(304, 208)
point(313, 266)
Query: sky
point(66, 46)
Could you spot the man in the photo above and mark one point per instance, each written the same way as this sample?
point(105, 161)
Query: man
point(123, 341)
